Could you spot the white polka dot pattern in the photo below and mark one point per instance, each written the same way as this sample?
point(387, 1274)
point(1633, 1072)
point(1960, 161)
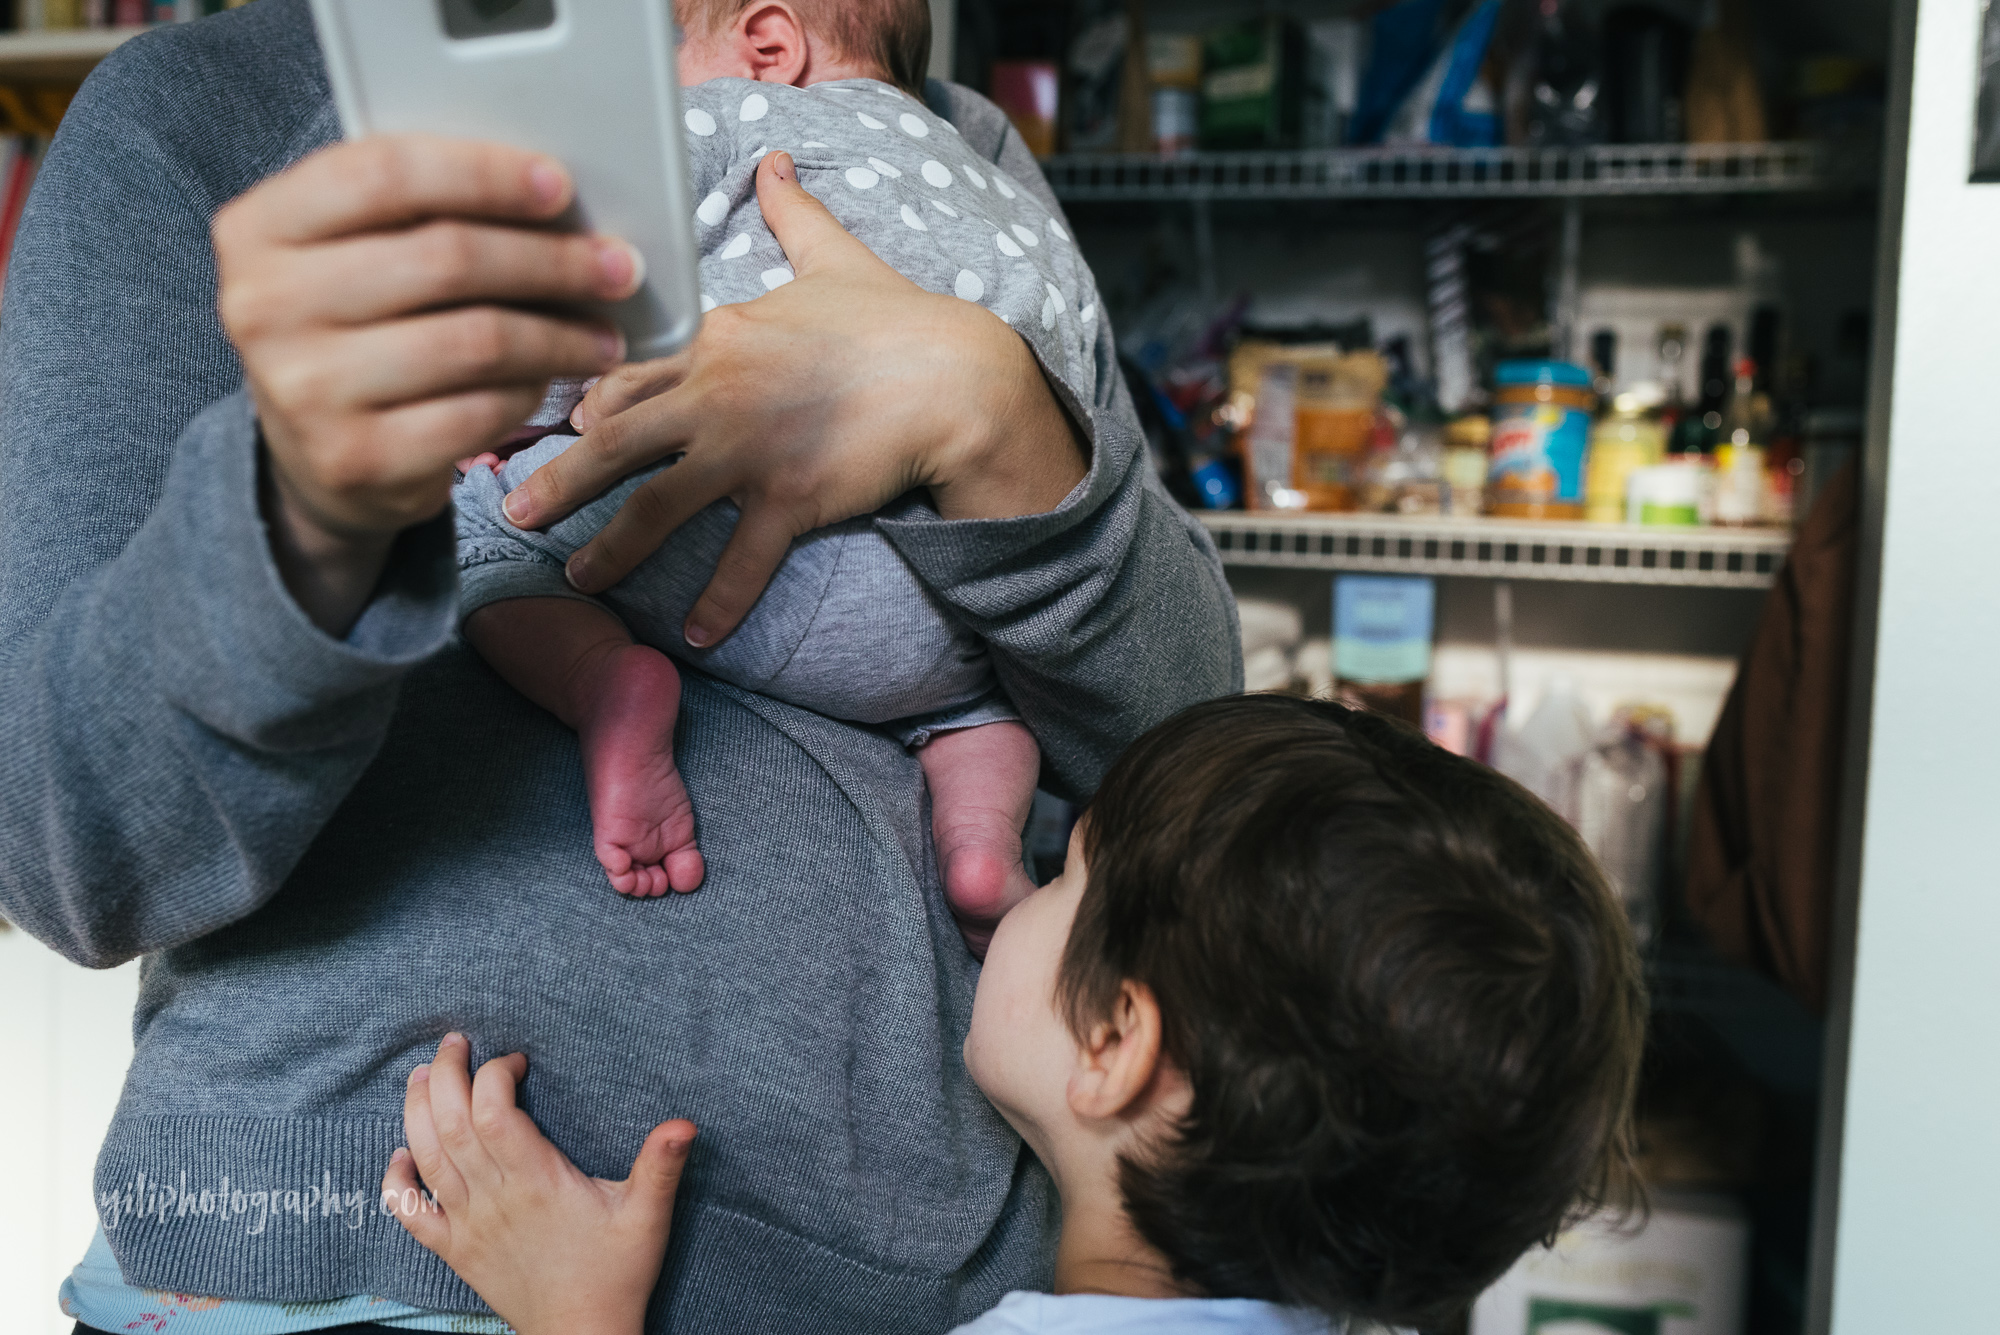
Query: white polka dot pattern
point(1027, 235)
point(912, 221)
point(1007, 245)
point(885, 169)
point(738, 247)
point(868, 122)
point(913, 126)
point(700, 122)
point(755, 108)
point(937, 174)
point(773, 279)
point(978, 181)
point(862, 179)
point(1000, 184)
point(970, 285)
point(713, 209)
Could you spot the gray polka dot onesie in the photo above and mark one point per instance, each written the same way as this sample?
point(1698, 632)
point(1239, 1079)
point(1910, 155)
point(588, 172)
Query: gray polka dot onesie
point(845, 628)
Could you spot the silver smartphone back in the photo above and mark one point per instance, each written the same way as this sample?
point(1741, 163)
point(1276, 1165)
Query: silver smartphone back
point(588, 82)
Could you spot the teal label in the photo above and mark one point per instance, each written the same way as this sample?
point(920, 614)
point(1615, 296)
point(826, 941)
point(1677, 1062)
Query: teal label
point(1538, 451)
point(1382, 628)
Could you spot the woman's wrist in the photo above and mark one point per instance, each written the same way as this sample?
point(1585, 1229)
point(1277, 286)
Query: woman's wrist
point(330, 574)
point(1012, 449)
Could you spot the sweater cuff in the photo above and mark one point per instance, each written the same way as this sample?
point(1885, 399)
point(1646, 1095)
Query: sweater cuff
point(235, 650)
point(948, 553)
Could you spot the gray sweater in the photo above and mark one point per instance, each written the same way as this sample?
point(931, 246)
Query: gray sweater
point(329, 853)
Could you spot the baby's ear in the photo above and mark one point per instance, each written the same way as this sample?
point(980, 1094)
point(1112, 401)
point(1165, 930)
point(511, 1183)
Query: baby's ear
point(772, 39)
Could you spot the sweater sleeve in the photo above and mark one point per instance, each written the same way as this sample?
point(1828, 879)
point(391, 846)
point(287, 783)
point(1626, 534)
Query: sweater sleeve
point(1110, 613)
point(173, 731)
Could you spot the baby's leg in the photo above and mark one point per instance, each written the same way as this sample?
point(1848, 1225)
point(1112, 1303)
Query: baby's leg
point(982, 783)
point(577, 661)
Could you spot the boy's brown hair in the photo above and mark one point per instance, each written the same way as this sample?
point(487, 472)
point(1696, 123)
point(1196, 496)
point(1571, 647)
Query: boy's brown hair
point(1409, 1008)
point(894, 34)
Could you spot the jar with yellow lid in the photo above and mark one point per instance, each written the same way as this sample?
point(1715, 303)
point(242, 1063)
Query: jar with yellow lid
point(1630, 437)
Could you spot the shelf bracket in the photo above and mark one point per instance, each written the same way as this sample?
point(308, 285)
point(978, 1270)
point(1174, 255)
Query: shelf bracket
point(1566, 291)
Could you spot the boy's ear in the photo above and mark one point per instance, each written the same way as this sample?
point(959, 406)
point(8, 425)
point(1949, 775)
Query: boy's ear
point(772, 39)
point(1118, 1061)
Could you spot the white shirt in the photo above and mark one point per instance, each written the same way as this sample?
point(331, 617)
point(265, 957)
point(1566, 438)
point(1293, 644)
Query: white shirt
point(1095, 1314)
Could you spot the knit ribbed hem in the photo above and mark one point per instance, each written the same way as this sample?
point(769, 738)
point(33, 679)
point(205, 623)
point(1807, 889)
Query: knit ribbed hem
point(282, 1209)
point(290, 1210)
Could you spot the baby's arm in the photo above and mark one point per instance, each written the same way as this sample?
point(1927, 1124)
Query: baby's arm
point(552, 1251)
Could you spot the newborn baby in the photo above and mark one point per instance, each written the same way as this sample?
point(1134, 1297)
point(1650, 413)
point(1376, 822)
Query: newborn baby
point(845, 627)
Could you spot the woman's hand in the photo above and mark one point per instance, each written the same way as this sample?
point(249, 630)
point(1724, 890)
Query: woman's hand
point(820, 401)
point(552, 1251)
point(374, 293)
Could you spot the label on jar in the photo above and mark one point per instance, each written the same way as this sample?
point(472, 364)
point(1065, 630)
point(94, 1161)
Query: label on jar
point(1538, 453)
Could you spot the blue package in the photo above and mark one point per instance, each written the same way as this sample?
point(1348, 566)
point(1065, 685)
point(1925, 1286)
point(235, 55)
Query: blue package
point(1450, 106)
point(1404, 41)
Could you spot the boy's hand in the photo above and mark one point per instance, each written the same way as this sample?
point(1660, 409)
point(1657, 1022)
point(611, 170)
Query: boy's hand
point(552, 1251)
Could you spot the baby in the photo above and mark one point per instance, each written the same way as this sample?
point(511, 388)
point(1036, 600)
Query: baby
point(845, 628)
point(1320, 1028)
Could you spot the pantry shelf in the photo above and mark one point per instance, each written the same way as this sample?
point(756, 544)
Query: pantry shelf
point(58, 54)
point(1428, 173)
point(1503, 548)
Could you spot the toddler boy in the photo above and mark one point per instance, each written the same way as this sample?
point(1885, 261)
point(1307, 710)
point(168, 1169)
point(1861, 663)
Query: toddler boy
point(845, 628)
point(1321, 1027)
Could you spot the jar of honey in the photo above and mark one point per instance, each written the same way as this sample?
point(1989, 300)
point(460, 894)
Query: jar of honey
point(1541, 437)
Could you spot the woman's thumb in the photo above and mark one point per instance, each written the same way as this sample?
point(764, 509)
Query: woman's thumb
point(809, 234)
point(656, 1173)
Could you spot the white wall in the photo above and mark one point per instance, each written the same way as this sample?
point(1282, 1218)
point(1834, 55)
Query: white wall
point(65, 1040)
point(1917, 1228)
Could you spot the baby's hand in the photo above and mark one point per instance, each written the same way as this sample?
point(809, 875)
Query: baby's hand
point(552, 1251)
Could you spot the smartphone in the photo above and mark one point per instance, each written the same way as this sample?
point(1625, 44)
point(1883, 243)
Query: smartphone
point(588, 82)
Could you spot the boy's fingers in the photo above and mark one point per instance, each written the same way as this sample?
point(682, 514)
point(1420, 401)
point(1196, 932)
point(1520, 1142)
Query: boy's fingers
point(810, 236)
point(656, 1172)
point(503, 1128)
point(755, 551)
point(420, 1129)
point(405, 1195)
point(451, 1110)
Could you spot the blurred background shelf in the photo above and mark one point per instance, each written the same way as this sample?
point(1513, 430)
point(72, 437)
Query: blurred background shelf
point(1502, 548)
point(1496, 173)
point(59, 54)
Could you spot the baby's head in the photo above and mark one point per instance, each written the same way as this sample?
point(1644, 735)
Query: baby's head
point(805, 41)
point(1342, 1020)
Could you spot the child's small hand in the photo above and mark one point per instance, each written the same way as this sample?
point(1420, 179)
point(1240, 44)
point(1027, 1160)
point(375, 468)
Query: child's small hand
point(552, 1251)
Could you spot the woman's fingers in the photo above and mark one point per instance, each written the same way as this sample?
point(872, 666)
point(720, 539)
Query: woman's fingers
point(811, 237)
point(420, 1129)
point(397, 179)
point(626, 386)
point(448, 352)
point(756, 549)
point(614, 449)
point(445, 262)
point(649, 516)
point(405, 1195)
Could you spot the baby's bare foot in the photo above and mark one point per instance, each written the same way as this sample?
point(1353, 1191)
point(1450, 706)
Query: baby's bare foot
point(642, 820)
point(982, 783)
